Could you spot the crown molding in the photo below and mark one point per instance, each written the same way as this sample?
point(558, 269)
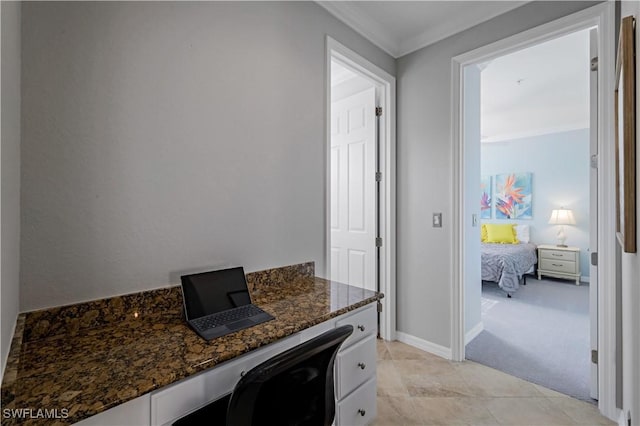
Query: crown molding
point(363, 25)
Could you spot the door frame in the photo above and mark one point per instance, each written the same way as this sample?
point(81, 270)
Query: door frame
point(602, 17)
point(386, 85)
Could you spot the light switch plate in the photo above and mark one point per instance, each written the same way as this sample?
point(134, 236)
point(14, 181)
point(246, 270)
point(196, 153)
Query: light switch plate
point(437, 220)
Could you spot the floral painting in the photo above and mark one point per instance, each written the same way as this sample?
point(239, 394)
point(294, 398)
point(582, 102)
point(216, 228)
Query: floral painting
point(513, 196)
point(485, 198)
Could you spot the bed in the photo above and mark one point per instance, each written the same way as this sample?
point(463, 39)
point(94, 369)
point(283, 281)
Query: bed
point(506, 264)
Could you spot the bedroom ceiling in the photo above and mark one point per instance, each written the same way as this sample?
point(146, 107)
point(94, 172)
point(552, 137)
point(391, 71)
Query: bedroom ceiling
point(401, 27)
point(540, 90)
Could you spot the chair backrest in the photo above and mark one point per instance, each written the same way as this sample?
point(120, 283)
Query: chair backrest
point(292, 388)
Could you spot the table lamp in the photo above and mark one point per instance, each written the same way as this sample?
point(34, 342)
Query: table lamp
point(561, 217)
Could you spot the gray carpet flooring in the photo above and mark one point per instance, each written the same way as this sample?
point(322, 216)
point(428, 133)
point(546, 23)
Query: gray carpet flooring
point(541, 334)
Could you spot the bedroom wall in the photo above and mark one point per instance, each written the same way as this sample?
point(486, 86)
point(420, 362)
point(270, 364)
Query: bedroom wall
point(10, 171)
point(559, 163)
point(160, 137)
point(424, 156)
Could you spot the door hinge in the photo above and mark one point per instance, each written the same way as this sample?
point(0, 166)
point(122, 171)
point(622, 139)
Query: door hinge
point(594, 258)
point(378, 176)
point(378, 111)
point(594, 356)
point(594, 64)
point(594, 161)
point(379, 306)
point(378, 242)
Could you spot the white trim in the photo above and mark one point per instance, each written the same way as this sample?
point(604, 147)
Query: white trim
point(601, 16)
point(622, 418)
point(424, 345)
point(387, 85)
point(473, 333)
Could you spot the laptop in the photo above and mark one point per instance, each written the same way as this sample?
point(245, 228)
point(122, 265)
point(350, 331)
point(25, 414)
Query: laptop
point(218, 303)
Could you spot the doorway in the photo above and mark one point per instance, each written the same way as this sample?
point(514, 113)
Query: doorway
point(534, 145)
point(599, 17)
point(360, 153)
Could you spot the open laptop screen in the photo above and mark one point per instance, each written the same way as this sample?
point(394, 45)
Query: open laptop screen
point(215, 291)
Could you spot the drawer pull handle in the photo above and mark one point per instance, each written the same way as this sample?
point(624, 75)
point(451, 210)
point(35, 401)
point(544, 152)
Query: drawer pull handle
point(362, 365)
point(361, 412)
point(555, 264)
point(360, 327)
point(556, 255)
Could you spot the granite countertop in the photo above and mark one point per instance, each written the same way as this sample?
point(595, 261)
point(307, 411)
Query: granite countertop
point(90, 357)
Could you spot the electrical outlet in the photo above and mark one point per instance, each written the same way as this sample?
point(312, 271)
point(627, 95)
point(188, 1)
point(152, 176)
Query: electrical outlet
point(437, 220)
point(474, 220)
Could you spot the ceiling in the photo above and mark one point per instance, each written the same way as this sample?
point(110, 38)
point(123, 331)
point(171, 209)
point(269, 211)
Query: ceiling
point(401, 27)
point(539, 90)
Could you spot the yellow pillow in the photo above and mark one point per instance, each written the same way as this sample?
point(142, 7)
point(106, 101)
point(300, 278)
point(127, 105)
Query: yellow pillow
point(505, 234)
point(483, 233)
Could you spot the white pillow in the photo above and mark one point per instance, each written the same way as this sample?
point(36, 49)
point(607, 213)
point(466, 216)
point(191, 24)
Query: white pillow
point(522, 233)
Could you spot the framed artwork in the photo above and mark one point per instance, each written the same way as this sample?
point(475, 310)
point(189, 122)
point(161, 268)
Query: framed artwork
point(625, 126)
point(513, 196)
point(485, 197)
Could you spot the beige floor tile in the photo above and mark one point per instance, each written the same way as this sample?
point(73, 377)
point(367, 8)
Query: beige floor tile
point(389, 382)
point(441, 385)
point(400, 350)
point(489, 382)
point(396, 411)
point(454, 411)
point(548, 392)
point(409, 367)
point(415, 387)
point(383, 352)
point(581, 412)
point(527, 412)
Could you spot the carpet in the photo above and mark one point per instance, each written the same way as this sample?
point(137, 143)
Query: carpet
point(541, 334)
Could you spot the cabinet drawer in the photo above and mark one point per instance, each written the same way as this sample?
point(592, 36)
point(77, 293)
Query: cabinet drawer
point(566, 267)
point(364, 322)
point(558, 255)
point(355, 365)
point(359, 408)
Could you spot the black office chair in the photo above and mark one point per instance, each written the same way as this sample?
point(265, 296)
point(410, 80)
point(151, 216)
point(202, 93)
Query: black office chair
point(292, 388)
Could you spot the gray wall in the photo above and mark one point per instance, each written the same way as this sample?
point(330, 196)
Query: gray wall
point(424, 156)
point(10, 171)
point(163, 137)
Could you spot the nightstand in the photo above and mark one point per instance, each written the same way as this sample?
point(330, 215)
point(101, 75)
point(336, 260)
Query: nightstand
point(559, 262)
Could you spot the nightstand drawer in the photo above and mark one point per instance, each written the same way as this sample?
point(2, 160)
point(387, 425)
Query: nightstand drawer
point(565, 266)
point(558, 255)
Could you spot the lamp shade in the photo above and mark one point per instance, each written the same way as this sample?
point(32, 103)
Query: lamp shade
point(562, 217)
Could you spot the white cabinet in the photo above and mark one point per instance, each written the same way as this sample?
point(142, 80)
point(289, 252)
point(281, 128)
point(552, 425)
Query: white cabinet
point(559, 262)
point(355, 369)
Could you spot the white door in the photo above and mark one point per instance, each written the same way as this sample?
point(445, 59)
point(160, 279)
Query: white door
point(593, 207)
point(353, 199)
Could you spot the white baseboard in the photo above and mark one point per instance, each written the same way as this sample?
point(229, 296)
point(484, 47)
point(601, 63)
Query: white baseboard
point(473, 333)
point(425, 345)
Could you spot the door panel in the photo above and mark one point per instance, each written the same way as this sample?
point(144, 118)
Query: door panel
point(353, 202)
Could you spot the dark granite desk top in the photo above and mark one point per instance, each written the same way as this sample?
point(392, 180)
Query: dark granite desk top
point(89, 357)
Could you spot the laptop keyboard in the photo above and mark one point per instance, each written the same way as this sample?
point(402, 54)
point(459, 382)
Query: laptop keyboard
point(222, 318)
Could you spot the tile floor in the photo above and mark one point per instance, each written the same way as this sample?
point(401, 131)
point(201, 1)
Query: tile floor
point(417, 388)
